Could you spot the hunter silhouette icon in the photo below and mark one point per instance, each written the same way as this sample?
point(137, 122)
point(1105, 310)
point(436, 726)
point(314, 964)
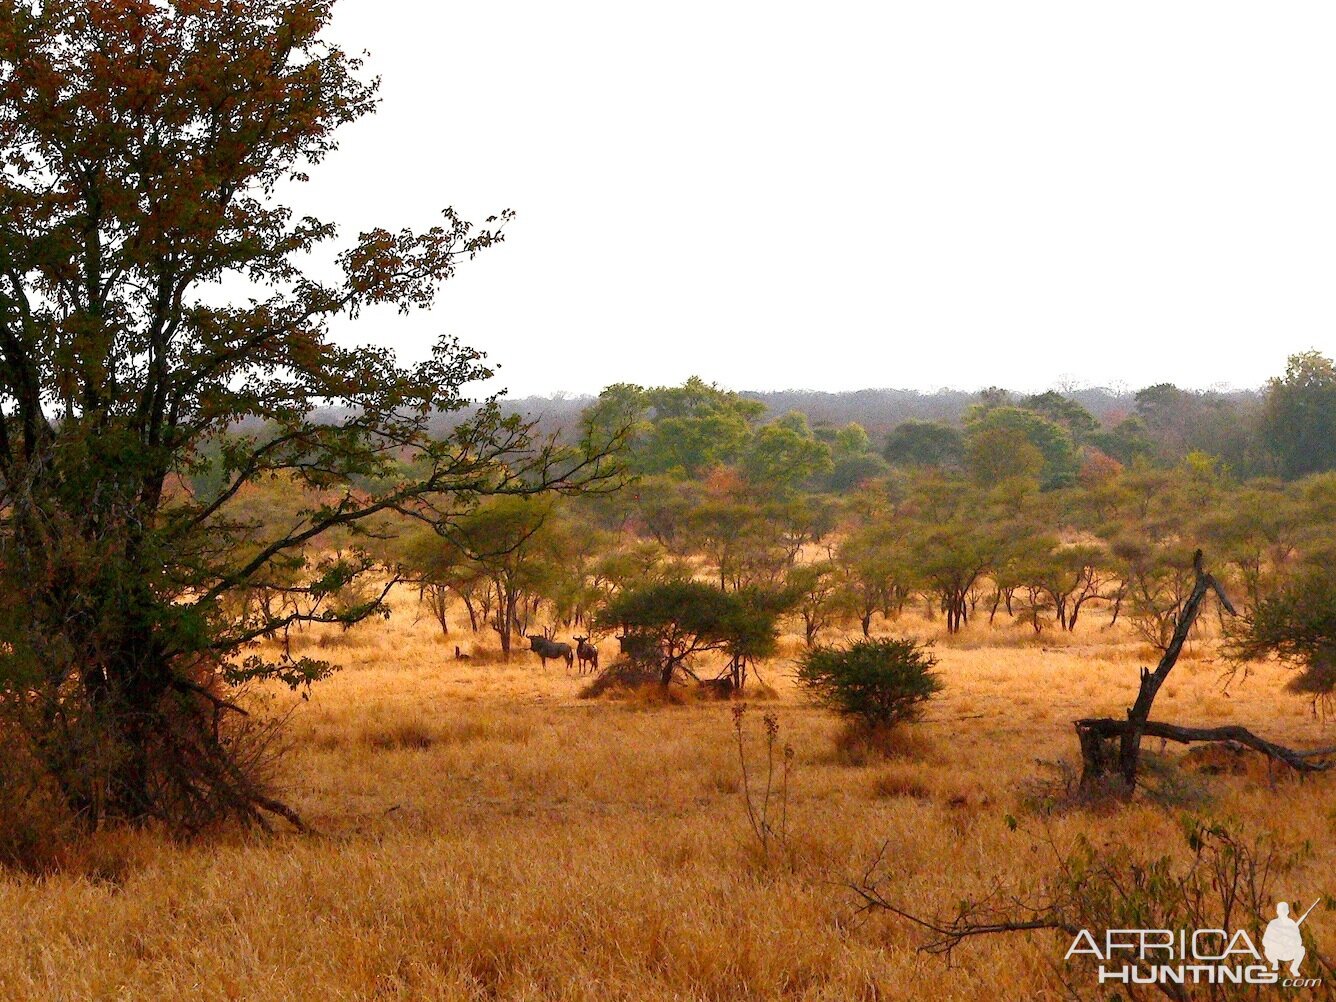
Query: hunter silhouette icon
point(1282, 942)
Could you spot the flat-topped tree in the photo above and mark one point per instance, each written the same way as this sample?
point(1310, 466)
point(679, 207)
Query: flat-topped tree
point(672, 624)
point(142, 145)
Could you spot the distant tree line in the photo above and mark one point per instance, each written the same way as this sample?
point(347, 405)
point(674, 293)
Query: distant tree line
point(1284, 429)
point(1030, 512)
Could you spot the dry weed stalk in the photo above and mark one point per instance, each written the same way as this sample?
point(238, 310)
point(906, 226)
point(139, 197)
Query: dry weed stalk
point(770, 837)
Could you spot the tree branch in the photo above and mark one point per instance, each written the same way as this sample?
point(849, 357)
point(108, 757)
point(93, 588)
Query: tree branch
point(1109, 727)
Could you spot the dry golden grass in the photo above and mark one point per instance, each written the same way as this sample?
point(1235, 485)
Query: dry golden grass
point(488, 835)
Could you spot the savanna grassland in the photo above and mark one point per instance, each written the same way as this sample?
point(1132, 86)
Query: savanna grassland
point(484, 833)
point(218, 514)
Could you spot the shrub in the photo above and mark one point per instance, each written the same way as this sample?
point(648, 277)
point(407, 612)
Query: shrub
point(879, 682)
point(1225, 880)
point(1296, 623)
point(622, 676)
point(35, 827)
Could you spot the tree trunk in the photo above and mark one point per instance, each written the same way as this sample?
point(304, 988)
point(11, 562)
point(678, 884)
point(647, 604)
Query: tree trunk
point(1118, 602)
point(1094, 732)
point(668, 667)
point(438, 601)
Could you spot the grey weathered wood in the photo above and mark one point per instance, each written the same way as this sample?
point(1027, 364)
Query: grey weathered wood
point(1097, 733)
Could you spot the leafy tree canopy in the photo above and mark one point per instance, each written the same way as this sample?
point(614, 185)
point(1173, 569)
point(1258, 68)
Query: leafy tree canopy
point(142, 147)
point(1051, 440)
point(1063, 411)
point(682, 430)
point(1299, 419)
point(783, 454)
point(675, 621)
point(1297, 623)
point(925, 443)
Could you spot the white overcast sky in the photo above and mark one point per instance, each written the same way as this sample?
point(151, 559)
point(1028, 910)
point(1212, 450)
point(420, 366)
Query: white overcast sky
point(841, 195)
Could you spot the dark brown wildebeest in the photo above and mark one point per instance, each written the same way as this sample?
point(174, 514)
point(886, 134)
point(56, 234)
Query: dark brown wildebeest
point(548, 649)
point(586, 653)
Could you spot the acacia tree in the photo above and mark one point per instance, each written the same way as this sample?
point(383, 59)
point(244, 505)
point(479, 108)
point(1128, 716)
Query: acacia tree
point(815, 589)
point(141, 146)
point(439, 571)
point(1297, 623)
point(511, 543)
point(951, 558)
point(875, 574)
point(1259, 531)
point(1157, 581)
point(1073, 576)
point(672, 623)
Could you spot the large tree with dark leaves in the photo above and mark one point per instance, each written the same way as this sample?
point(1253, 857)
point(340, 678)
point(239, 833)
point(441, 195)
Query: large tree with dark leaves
point(141, 148)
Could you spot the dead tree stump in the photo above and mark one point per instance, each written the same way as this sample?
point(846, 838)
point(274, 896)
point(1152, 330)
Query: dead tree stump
point(1111, 748)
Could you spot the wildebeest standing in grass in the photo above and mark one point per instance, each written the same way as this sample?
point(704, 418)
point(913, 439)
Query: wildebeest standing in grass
point(586, 653)
point(548, 649)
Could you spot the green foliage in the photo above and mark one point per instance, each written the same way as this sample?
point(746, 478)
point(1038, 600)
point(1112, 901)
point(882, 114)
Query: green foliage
point(144, 423)
point(851, 472)
point(925, 443)
point(1006, 428)
point(1297, 624)
point(874, 571)
point(1157, 576)
point(815, 589)
point(673, 622)
point(1063, 411)
point(952, 543)
point(620, 408)
point(997, 455)
point(1299, 420)
point(783, 454)
point(679, 430)
point(696, 398)
point(688, 446)
point(880, 682)
point(1178, 421)
point(514, 543)
point(1127, 441)
point(739, 540)
point(851, 440)
point(1167, 424)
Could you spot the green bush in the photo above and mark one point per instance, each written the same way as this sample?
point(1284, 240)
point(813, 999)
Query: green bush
point(879, 682)
point(1296, 623)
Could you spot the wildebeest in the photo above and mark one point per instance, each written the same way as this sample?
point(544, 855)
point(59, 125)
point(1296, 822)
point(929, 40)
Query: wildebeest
point(635, 646)
point(548, 649)
point(586, 652)
point(718, 688)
